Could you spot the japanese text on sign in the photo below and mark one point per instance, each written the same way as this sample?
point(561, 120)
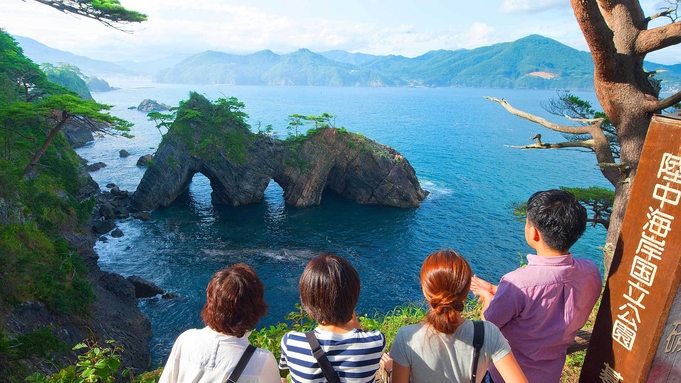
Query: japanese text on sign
point(649, 251)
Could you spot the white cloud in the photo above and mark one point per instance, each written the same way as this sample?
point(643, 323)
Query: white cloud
point(529, 6)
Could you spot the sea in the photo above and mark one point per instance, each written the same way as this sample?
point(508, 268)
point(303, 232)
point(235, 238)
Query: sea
point(456, 140)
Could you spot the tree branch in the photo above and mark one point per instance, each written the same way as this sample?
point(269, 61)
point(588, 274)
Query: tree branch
point(598, 143)
point(111, 14)
point(541, 121)
point(664, 13)
point(586, 120)
point(588, 144)
point(658, 38)
point(597, 33)
point(666, 103)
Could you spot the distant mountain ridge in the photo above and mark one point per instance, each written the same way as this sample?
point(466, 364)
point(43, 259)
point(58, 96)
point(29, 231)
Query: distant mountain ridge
point(533, 62)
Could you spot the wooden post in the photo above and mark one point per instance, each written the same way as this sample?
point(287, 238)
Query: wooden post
point(637, 335)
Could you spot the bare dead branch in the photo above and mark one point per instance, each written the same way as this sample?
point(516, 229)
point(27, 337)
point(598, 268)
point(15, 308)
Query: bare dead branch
point(588, 144)
point(539, 120)
point(658, 38)
point(664, 13)
point(586, 120)
point(598, 143)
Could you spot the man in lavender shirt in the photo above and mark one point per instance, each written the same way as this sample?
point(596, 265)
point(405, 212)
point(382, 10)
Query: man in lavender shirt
point(540, 307)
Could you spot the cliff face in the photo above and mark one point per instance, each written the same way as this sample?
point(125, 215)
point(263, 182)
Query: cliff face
point(346, 163)
point(112, 315)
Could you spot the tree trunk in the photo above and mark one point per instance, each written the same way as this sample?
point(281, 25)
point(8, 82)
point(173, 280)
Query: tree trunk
point(612, 30)
point(53, 133)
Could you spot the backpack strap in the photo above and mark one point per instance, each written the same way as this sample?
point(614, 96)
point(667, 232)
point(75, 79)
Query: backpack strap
point(241, 365)
point(478, 340)
point(327, 369)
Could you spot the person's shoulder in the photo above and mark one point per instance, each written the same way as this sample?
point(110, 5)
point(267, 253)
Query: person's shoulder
point(369, 334)
point(410, 330)
point(194, 333)
point(584, 263)
point(294, 335)
point(491, 328)
point(520, 272)
point(263, 352)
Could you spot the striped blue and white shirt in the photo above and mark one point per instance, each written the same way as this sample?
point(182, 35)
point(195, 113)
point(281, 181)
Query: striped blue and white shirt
point(355, 355)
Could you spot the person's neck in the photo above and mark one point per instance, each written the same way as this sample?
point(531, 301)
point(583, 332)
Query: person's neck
point(543, 250)
point(338, 329)
point(546, 252)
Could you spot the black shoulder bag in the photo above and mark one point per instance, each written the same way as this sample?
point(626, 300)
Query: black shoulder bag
point(478, 340)
point(327, 369)
point(241, 365)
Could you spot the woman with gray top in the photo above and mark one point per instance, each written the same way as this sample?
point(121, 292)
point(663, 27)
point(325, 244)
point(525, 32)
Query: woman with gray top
point(440, 349)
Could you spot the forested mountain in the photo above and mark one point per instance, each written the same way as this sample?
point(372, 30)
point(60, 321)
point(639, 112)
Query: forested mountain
point(531, 62)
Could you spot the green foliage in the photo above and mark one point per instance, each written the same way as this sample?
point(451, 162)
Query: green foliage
point(162, 120)
point(296, 122)
point(567, 104)
point(598, 199)
point(97, 364)
point(38, 343)
point(212, 128)
point(68, 76)
point(108, 12)
point(33, 106)
point(37, 268)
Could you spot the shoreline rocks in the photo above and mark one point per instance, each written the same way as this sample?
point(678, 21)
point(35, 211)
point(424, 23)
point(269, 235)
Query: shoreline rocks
point(148, 105)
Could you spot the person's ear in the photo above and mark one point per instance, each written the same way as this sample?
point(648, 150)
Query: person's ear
point(533, 234)
point(537, 234)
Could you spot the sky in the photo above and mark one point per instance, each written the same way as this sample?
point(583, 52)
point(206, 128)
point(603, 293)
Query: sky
point(380, 27)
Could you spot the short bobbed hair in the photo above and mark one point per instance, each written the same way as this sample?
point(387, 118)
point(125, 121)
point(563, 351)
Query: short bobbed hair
point(329, 289)
point(558, 216)
point(234, 300)
point(445, 281)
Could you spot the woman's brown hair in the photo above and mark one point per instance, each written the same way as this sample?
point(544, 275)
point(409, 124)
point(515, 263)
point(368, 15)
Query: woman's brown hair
point(234, 300)
point(445, 280)
point(329, 289)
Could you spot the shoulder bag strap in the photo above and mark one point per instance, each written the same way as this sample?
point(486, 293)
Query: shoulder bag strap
point(241, 365)
point(327, 369)
point(478, 340)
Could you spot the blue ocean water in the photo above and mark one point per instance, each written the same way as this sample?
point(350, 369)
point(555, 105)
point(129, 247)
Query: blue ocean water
point(453, 137)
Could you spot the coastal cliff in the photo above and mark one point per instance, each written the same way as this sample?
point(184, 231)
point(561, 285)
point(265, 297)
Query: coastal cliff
point(213, 139)
point(54, 294)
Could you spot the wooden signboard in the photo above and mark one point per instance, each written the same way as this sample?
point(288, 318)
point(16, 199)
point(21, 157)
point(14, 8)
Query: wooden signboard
point(635, 338)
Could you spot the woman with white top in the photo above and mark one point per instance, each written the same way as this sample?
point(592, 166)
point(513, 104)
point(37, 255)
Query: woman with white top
point(234, 304)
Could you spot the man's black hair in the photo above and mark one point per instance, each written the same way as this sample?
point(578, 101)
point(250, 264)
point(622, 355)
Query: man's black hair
point(558, 216)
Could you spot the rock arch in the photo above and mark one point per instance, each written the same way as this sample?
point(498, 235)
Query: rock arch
point(240, 165)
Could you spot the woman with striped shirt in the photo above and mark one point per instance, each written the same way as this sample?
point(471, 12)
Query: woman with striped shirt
point(329, 290)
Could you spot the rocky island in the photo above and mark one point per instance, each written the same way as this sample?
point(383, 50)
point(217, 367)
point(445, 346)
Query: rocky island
point(213, 139)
